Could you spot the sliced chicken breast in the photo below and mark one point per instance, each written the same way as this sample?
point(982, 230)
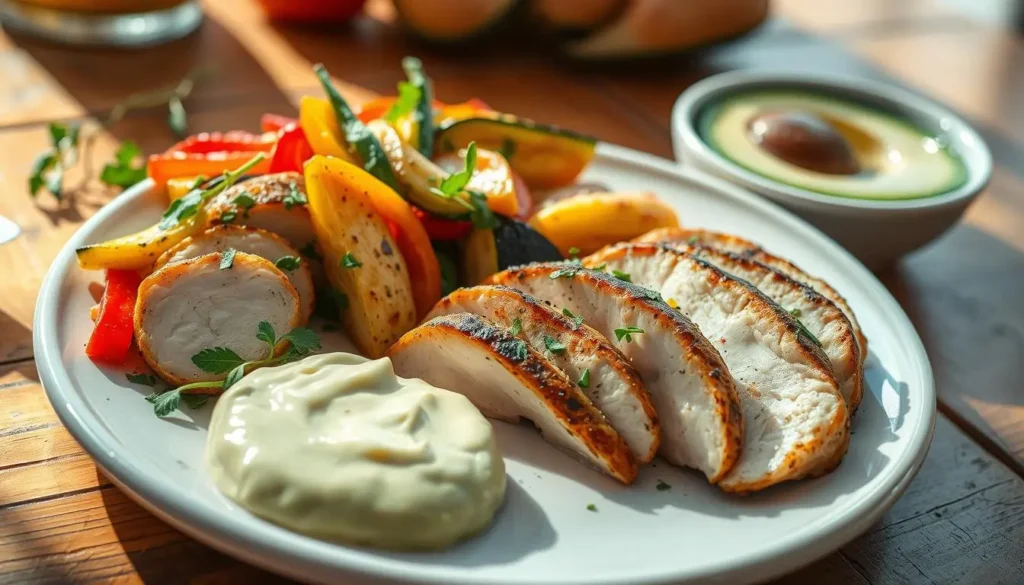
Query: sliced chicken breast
point(251, 241)
point(507, 379)
point(822, 318)
point(276, 203)
point(586, 357)
point(689, 383)
point(796, 422)
point(206, 302)
point(742, 247)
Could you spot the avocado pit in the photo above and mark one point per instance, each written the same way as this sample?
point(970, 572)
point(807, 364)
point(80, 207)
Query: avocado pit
point(804, 139)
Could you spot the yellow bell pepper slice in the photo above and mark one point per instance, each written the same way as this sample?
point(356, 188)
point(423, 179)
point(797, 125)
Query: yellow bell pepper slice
point(139, 250)
point(322, 129)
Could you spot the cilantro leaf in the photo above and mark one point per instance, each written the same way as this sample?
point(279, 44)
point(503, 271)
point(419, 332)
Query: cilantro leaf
point(166, 402)
point(517, 326)
point(584, 381)
point(216, 360)
point(553, 345)
point(227, 259)
point(408, 96)
point(245, 202)
point(349, 261)
point(303, 340)
point(627, 333)
point(577, 320)
point(265, 333)
point(122, 173)
point(288, 263)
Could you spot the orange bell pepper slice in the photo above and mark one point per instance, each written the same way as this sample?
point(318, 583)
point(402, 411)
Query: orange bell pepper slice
point(493, 176)
point(163, 167)
point(322, 129)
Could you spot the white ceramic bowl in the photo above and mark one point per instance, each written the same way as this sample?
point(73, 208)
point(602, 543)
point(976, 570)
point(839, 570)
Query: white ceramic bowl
point(876, 232)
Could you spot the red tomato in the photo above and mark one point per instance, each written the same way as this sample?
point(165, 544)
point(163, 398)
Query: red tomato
point(275, 122)
point(312, 11)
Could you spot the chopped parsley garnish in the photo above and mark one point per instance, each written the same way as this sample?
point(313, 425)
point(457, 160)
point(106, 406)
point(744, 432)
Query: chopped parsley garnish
point(662, 486)
point(455, 183)
point(517, 326)
point(569, 271)
point(650, 294)
point(692, 240)
point(288, 263)
point(795, 312)
point(519, 351)
point(584, 381)
point(349, 261)
point(627, 333)
point(577, 320)
point(600, 267)
point(574, 252)
point(294, 196)
point(553, 345)
point(227, 259)
point(592, 507)
point(408, 97)
point(245, 202)
point(228, 216)
point(144, 379)
point(622, 275)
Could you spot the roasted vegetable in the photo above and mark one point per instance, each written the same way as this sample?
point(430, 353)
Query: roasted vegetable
point(291, 151)
point(164, 167)
point(451, 21)
point(591, 221)
point(492, 177)
point(366, 271)
point(275, 122)
point(544, 156)
point(423, 115)
point(112, 335)
point(235, 141)
point(322, 129)
point(511, 243)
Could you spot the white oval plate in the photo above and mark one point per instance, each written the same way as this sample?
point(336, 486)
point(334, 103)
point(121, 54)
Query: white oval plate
point(544, 533)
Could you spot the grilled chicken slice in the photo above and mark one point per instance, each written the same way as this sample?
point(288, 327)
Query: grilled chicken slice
point(186, 307)
point(251, 241)
point(276, 203)
point(581, 353)
point(796, 421)
point(507, 379)
point(738, 245)
point(690, 385)
point(822, 318)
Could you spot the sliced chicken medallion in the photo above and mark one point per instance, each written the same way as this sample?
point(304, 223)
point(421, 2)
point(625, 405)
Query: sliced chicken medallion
point(251, 241)
point(822, 318)
point(206, 302)
point(688, 381)
point(507, 379)
point(586, 357)
point(796, 421)
point(276, 203)
point(742, 247)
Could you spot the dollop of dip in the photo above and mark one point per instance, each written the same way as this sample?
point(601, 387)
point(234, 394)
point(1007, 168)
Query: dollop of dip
point(338, 447)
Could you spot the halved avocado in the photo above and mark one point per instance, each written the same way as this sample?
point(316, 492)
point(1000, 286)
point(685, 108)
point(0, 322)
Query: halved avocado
point(452, 21)
point(512, 243)
point(544, 156)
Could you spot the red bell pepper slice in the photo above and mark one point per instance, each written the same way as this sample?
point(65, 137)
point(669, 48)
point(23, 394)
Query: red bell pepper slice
point(292, 150)
point(275, 122)
point(162, 167)
point(112, 336)
point(234, 141)
point(439, 228)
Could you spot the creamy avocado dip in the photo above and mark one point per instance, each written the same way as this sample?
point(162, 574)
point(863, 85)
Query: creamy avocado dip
point(829, 145)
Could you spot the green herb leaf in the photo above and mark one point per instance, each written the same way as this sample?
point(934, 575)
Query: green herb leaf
point(662, 486)
point(423, 109)
point(517, 326)
point(519, 351)
point(627, 333)
point(245, 202)
point(234, 376)
point(42, 165)
point(166, 402)
point(349, 261)
point(507, 149)
point(692, 240)
point(574, 252)
point(569, 271)
point(122, 173)
point(310, 251)
point(216, 360)
point(177, 120)
point(553, 345)
point(194, 401)
point(622, 275)
point(795, 312)
point(592, 507)
point(294, 196)
point(288, 263)
point(584, 381)
point(184, 208)
point(650, 294)
point(600, 267)
point(303, 340)
point(265, 333)
point(408, 98)
point(227, 259)
point(455, 183)
point(228, 216)
point(143, 379)
point(577, 320)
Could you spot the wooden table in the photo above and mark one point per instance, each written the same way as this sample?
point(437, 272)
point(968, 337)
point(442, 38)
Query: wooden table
point(961, 521)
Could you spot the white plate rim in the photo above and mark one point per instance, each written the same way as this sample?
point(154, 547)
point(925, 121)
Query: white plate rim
point(290, 557)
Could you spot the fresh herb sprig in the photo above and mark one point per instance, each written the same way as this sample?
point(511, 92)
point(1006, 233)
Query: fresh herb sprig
point(408, 97)
point(184, 208)
point(627, 333)
point(223, 360)
point(454, 185)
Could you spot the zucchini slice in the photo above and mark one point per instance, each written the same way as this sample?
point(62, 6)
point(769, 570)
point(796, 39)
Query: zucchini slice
point(423, 115)
point(544, 156)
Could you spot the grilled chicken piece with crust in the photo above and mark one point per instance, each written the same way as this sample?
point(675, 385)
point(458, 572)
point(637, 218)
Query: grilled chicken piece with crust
point(186, 307)
point(276, 203)
point(742, 247)
point(586, 357)
point(822, 318)
point(796, 421)
point(251, 241)
point(507, 379)
point(690, 385)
